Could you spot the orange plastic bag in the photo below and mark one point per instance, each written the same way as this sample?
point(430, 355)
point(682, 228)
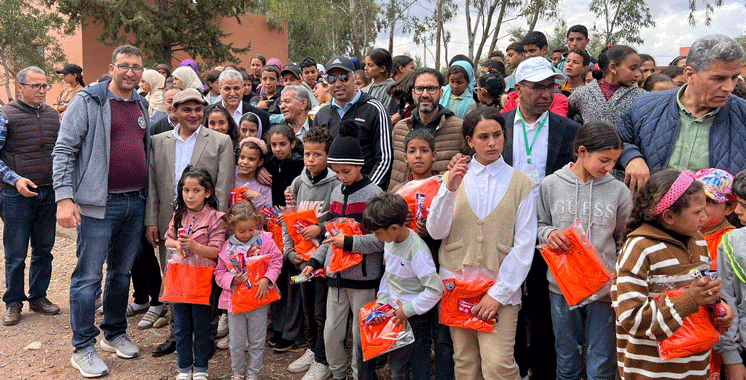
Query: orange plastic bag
point(419, 195)
point(697, 334)
point(383, 337)
point(465, 287)
point(244, 299)
point(188, 280)
point(275, 228)
point(341, 259)
point(581, 275)
point(295, 222)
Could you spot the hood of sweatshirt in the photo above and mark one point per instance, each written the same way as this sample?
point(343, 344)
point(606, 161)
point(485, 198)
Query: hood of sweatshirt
point(330, 176)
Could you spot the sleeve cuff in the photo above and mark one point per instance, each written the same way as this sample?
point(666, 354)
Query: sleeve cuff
point(409, 309)
point(14, 177)
point(348, 243)
point(63, 192)
point(313, 263)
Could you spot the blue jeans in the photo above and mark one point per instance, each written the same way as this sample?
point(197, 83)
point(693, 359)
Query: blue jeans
point(192, 331)
point(415, 356)
point(25, 219)
point(114, 240)
point(592, 323)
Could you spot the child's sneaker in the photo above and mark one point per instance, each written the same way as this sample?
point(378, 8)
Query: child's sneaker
point(317, 371)
point(222, 326)
point(284, 345)
point(224, 343)
point(303, 363)
point(253, 376)
point(87, 361)
point(199, 376)
point(238, 376)
point(184, 376)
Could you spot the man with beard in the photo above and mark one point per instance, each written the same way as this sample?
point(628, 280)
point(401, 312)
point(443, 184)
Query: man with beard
point(438, 120)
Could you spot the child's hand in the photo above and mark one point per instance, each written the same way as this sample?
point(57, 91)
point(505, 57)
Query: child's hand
point(288, 196)
point(378, 319)
point(456, 175)
point(186, 242)
point(249, 194)
point(306, 271)
point(410, 217)
point(487, 308)
point(262, 289)
point(399, 317)
point(263, 104)
point(705, 291)
point(558, 241)
point(422, 229)
point(239, 278)
point(336, 241)
point(456, 158)
point(311, 231)
point(297, 260)
point(735, 371)
point(723, 323)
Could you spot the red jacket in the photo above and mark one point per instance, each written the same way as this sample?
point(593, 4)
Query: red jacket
point(559, 103)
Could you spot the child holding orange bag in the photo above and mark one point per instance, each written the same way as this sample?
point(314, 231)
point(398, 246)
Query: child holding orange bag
point(250, 241)
point(585, 191)
point(197, 230)
point(663, 239)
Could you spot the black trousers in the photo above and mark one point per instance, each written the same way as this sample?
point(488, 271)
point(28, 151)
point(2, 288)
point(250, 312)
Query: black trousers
point(146, 275)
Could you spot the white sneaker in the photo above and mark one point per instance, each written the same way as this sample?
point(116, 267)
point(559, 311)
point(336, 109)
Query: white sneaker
point(253, 376)
point(184, 376)
point(303, 363)
point(222, 326)
point(224, 343)
point(317, 371)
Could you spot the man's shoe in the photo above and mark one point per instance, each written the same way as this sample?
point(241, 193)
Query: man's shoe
point(44, 306)
point(284, 345)
point(317, 371)
point(87, 361)
point(165, 348)
point(222, 326)
point(122, 345)
point(12, 315)
point(303, 363)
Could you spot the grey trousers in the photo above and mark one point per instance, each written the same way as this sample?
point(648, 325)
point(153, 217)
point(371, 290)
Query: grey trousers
point(340, 302)
point(251, 326)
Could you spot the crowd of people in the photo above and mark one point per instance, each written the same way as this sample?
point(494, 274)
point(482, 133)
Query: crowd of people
point(179, 182)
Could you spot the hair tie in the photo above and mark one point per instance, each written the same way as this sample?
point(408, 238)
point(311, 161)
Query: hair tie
point(259, 142)
point(678, 188)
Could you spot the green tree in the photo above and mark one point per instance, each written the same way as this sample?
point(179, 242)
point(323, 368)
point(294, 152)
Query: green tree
point(742, 41)
point(558, 37)
point(160, 27)
point(622, 20)
point(709, 9)
point(25, 39)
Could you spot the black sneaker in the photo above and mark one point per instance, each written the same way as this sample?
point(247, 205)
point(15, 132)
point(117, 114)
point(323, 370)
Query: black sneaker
point(274, 340)
point(283, 345)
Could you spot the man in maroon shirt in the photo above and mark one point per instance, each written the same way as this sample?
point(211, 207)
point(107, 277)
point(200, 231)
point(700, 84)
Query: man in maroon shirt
point(100, 178)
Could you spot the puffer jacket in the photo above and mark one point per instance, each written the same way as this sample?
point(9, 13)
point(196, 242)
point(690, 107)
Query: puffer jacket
point(651, 126)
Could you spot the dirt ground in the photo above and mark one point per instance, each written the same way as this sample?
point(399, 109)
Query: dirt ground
point(19, 359)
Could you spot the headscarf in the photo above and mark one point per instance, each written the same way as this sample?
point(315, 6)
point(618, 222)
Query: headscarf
point(155, 96)
point(468, 93)
point(277, 63)
point(188, 76)
point(190, 63)
point(258, 123)
point(164, 67)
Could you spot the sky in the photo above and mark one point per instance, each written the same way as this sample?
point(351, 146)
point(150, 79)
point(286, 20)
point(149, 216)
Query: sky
point(662, 41)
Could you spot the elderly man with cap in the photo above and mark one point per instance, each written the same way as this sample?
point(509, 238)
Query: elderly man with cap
point(367, 113)
point(72, 75)
point(698, 126)
point(188, 144)
point(28, 130)
point(540, 143)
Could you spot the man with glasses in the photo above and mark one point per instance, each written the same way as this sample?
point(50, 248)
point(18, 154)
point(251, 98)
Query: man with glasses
point(371, 118)
point(429, 114)
point(540, 143)
point(100, 178)
point(28, 130)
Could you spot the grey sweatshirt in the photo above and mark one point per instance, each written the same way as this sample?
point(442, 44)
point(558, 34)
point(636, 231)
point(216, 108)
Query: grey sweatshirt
point(731, 262)
point(303, 190)
point(602, 205)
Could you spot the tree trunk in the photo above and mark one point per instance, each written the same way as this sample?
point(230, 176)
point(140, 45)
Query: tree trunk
point(469, 34)
point(485, 32)
point(534, 19)
point(503, 7)
point(439, 34)
point(392, 21)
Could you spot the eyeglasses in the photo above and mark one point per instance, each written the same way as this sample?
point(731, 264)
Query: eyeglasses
point(37, 86)
point(539, 88)
point(432, 90)
point(344, 78)
point(124, 68)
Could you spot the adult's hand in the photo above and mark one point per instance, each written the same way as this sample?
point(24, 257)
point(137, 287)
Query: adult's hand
point(67, 213)
point(636, 173)
point(24, 186)
point(151, 233)
point(263, 177)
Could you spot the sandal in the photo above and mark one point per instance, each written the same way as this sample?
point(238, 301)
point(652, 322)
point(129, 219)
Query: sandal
point(131, 311)
point(149, 319)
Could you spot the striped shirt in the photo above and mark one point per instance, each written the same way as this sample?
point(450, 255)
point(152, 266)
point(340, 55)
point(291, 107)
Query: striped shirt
point(650, 252)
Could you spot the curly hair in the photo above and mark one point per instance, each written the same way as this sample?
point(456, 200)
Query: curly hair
point(243, 211)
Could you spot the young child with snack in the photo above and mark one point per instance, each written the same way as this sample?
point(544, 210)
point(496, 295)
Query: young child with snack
point(250, 158)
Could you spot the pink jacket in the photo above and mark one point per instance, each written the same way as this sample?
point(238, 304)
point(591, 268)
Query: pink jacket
point(223, 276)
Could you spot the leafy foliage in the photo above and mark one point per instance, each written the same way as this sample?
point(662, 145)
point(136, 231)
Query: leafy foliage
point(621, 20)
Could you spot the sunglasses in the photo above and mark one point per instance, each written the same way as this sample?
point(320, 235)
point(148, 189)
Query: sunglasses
point(344, 78)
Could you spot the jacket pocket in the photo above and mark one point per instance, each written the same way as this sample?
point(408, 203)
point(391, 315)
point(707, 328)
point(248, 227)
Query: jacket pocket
point(454, 246)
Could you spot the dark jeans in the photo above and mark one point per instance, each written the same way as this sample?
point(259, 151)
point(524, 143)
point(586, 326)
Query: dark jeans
point(441, 336)
point(287, 312)
point(314, 303)
point(27, 219)
point(146, 275)
point(114, 240)
point(415, 356)
point(192, 330)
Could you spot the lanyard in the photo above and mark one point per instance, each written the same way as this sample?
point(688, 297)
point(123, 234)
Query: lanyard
point(530, 148)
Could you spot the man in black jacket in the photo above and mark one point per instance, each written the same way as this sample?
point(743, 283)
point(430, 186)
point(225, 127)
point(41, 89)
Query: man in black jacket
point(167, 123)
point(374, 124)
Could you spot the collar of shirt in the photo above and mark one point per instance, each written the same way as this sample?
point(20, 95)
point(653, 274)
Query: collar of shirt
point(518, 124)
point(303, 130)
point(342, 110)
point(686, 111)
point(237, 113)
point(177, 137)
point(135, 97)
point(35, 108)
point(493, 168)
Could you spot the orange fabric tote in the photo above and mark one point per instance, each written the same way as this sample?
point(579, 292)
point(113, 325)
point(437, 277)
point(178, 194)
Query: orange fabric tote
point(697, 334)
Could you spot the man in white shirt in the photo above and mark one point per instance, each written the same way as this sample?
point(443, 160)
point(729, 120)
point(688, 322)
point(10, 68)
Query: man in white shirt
point(231, 93)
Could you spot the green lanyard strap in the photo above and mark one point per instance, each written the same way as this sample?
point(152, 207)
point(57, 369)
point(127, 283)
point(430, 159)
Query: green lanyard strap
point(530, 148)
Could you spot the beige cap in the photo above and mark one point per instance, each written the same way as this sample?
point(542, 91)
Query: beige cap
point(187, 95)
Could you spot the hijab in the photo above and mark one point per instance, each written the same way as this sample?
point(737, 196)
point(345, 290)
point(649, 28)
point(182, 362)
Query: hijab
point(468, 92)
point(155, 96)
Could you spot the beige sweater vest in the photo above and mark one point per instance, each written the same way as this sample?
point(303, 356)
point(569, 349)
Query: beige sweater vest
point(483, 243)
